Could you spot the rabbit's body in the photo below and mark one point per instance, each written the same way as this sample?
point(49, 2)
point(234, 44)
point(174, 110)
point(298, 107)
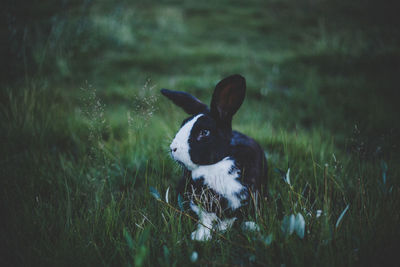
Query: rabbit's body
point(222, 167)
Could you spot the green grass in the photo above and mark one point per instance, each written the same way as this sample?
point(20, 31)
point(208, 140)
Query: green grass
point(85, 131)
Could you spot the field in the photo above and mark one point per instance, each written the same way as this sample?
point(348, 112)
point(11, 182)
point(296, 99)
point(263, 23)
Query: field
point(85, 174)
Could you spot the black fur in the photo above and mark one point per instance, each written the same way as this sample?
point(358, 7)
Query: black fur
point(187, 186)
point(211, 149)
point(221, 141)
point(187, 102)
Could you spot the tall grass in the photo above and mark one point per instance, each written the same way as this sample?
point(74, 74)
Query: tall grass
point(79, 158)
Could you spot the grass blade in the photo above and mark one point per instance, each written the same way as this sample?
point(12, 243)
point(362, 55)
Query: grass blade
point(180, 204)
point(166, 195)
point(341, 215)
point(128, 238)
point(154, 193)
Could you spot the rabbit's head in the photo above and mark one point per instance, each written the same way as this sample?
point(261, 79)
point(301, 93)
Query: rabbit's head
point(205, 137)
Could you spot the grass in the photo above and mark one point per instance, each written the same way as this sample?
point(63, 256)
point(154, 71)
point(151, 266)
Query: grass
point(85, 132)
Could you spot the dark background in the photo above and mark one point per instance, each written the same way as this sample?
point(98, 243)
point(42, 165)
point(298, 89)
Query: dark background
point(84, 132)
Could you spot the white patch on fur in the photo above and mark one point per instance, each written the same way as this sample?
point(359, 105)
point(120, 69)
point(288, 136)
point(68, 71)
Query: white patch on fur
point(181, 144)
point(207, 221)
point(226, 224)
point(221, 177)
point(250, 226)
point(203, 231)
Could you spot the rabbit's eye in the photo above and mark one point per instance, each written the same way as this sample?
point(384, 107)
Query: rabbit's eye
point(203, 133)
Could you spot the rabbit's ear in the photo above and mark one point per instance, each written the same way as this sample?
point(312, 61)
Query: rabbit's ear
point(227, 98)
point(187, 102)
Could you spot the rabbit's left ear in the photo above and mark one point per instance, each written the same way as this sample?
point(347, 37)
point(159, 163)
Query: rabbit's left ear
point(228, 96)
point(187, 102)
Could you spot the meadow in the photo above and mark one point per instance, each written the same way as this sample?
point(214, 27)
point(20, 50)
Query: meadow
point(85, 174)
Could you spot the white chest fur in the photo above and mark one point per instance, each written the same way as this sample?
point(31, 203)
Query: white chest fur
point(222, 178)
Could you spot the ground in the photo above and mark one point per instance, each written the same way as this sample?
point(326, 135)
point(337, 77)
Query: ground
point(85, 131)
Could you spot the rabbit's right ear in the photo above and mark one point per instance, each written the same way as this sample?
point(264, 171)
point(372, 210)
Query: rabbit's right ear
point(187, 102)
point(228, 96)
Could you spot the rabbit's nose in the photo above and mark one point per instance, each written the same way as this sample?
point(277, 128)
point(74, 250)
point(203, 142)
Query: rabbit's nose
point(173, 149)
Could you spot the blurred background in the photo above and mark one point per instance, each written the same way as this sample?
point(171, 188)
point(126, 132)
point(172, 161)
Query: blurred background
point(331, 64)
point(80, 102)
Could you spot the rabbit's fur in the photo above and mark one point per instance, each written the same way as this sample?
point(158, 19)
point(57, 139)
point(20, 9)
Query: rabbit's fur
point(222, 168)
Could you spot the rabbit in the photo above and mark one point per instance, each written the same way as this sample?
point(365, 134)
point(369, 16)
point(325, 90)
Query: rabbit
point(222, 168)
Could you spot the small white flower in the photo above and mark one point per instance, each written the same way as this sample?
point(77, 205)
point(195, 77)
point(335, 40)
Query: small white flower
point(300, 225)
point(292, 222)
point(288, 224)
point(166, 195)
point(288, 176)
point(250, 226)
point(318, 213)
point(194, 256)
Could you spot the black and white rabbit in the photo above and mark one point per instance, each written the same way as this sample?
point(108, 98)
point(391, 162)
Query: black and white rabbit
point(221, 166)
